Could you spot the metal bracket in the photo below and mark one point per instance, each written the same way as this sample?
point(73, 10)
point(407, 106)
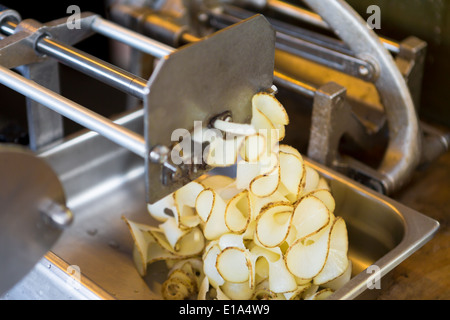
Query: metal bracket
point(332, 117)
point(411, 62)
point(19, 51)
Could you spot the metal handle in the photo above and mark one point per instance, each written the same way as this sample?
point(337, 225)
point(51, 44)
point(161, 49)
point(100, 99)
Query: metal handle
point(403, 153)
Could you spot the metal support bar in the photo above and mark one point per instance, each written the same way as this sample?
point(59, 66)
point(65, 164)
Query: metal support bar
point(85, 117)
point(293, 41)
point(131, 38)
point(88, 64)
point(295, 85)
point(411, 62)
point(92, 66)
point(316, 20)
point(44, 125)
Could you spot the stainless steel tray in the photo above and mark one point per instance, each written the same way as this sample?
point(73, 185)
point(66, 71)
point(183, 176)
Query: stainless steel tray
point(104, 182)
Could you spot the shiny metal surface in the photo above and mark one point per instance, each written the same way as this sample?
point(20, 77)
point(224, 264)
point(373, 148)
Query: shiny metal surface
point(44, 125)
point(54, 279)
point(131, 38)
point(69, 56)
point(316, 20)
point(202, 80)
point(74, 111)
point(104, 182)
point(92, 66)
point(25, 235)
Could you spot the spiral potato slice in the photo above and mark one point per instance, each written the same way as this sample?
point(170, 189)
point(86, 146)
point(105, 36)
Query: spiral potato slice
point(337, 261)
point(310, 216)
point(233, 264)
point(307, 256)
point(270, 232)
point(238, 212)
point(185, 199)
point(273, 223)
point(292, 174)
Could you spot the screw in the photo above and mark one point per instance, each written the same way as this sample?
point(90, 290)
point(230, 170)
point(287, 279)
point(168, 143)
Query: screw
point(56, 214)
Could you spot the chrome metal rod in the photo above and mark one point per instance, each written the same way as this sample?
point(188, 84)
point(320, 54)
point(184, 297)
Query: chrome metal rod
point(131, 38)
point(287, 82)
point(316, 20)
point(88, 64)
point(297, 13)
point(85, 117)
point(92, 66)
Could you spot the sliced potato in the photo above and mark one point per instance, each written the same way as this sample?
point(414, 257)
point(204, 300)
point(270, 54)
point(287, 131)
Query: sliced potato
point(326, 197)
point(238, 212)
point(310, 216)
point(273, 223)
point(215, 225)
point(163, 209)
point(312, 178)
point(253, 148)
point(266, 183)
point(289, 149)
point(172, 232)
point(297, 293)
point(245, 173)
point(320, 295)
point(263, 292)
point(280, 279)
point(223, 152)
point(231, 240)
point(257, 203)
point(233, 264)
point(185, 199)
point(323, 184)
point(216, 181)
point(237, 290)
point(270, 107)
point(292, 174)
point(268, 233)
point(307, 256)
point(337, 261)
point(341, 280)
point(190, 244)
point(204, 203)
point(207, 292)
point(209, 265)
point(142, 239)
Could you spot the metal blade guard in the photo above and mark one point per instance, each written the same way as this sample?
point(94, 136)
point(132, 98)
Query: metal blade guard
point(197, 83)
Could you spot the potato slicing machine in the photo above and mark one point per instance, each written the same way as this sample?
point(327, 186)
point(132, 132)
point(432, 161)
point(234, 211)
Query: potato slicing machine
point(62, 197)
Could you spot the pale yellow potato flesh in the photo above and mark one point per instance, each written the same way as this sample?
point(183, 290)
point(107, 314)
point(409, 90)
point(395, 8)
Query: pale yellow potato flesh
point(269, 232)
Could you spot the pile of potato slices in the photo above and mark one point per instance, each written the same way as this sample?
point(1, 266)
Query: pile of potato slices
point(270, 232)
